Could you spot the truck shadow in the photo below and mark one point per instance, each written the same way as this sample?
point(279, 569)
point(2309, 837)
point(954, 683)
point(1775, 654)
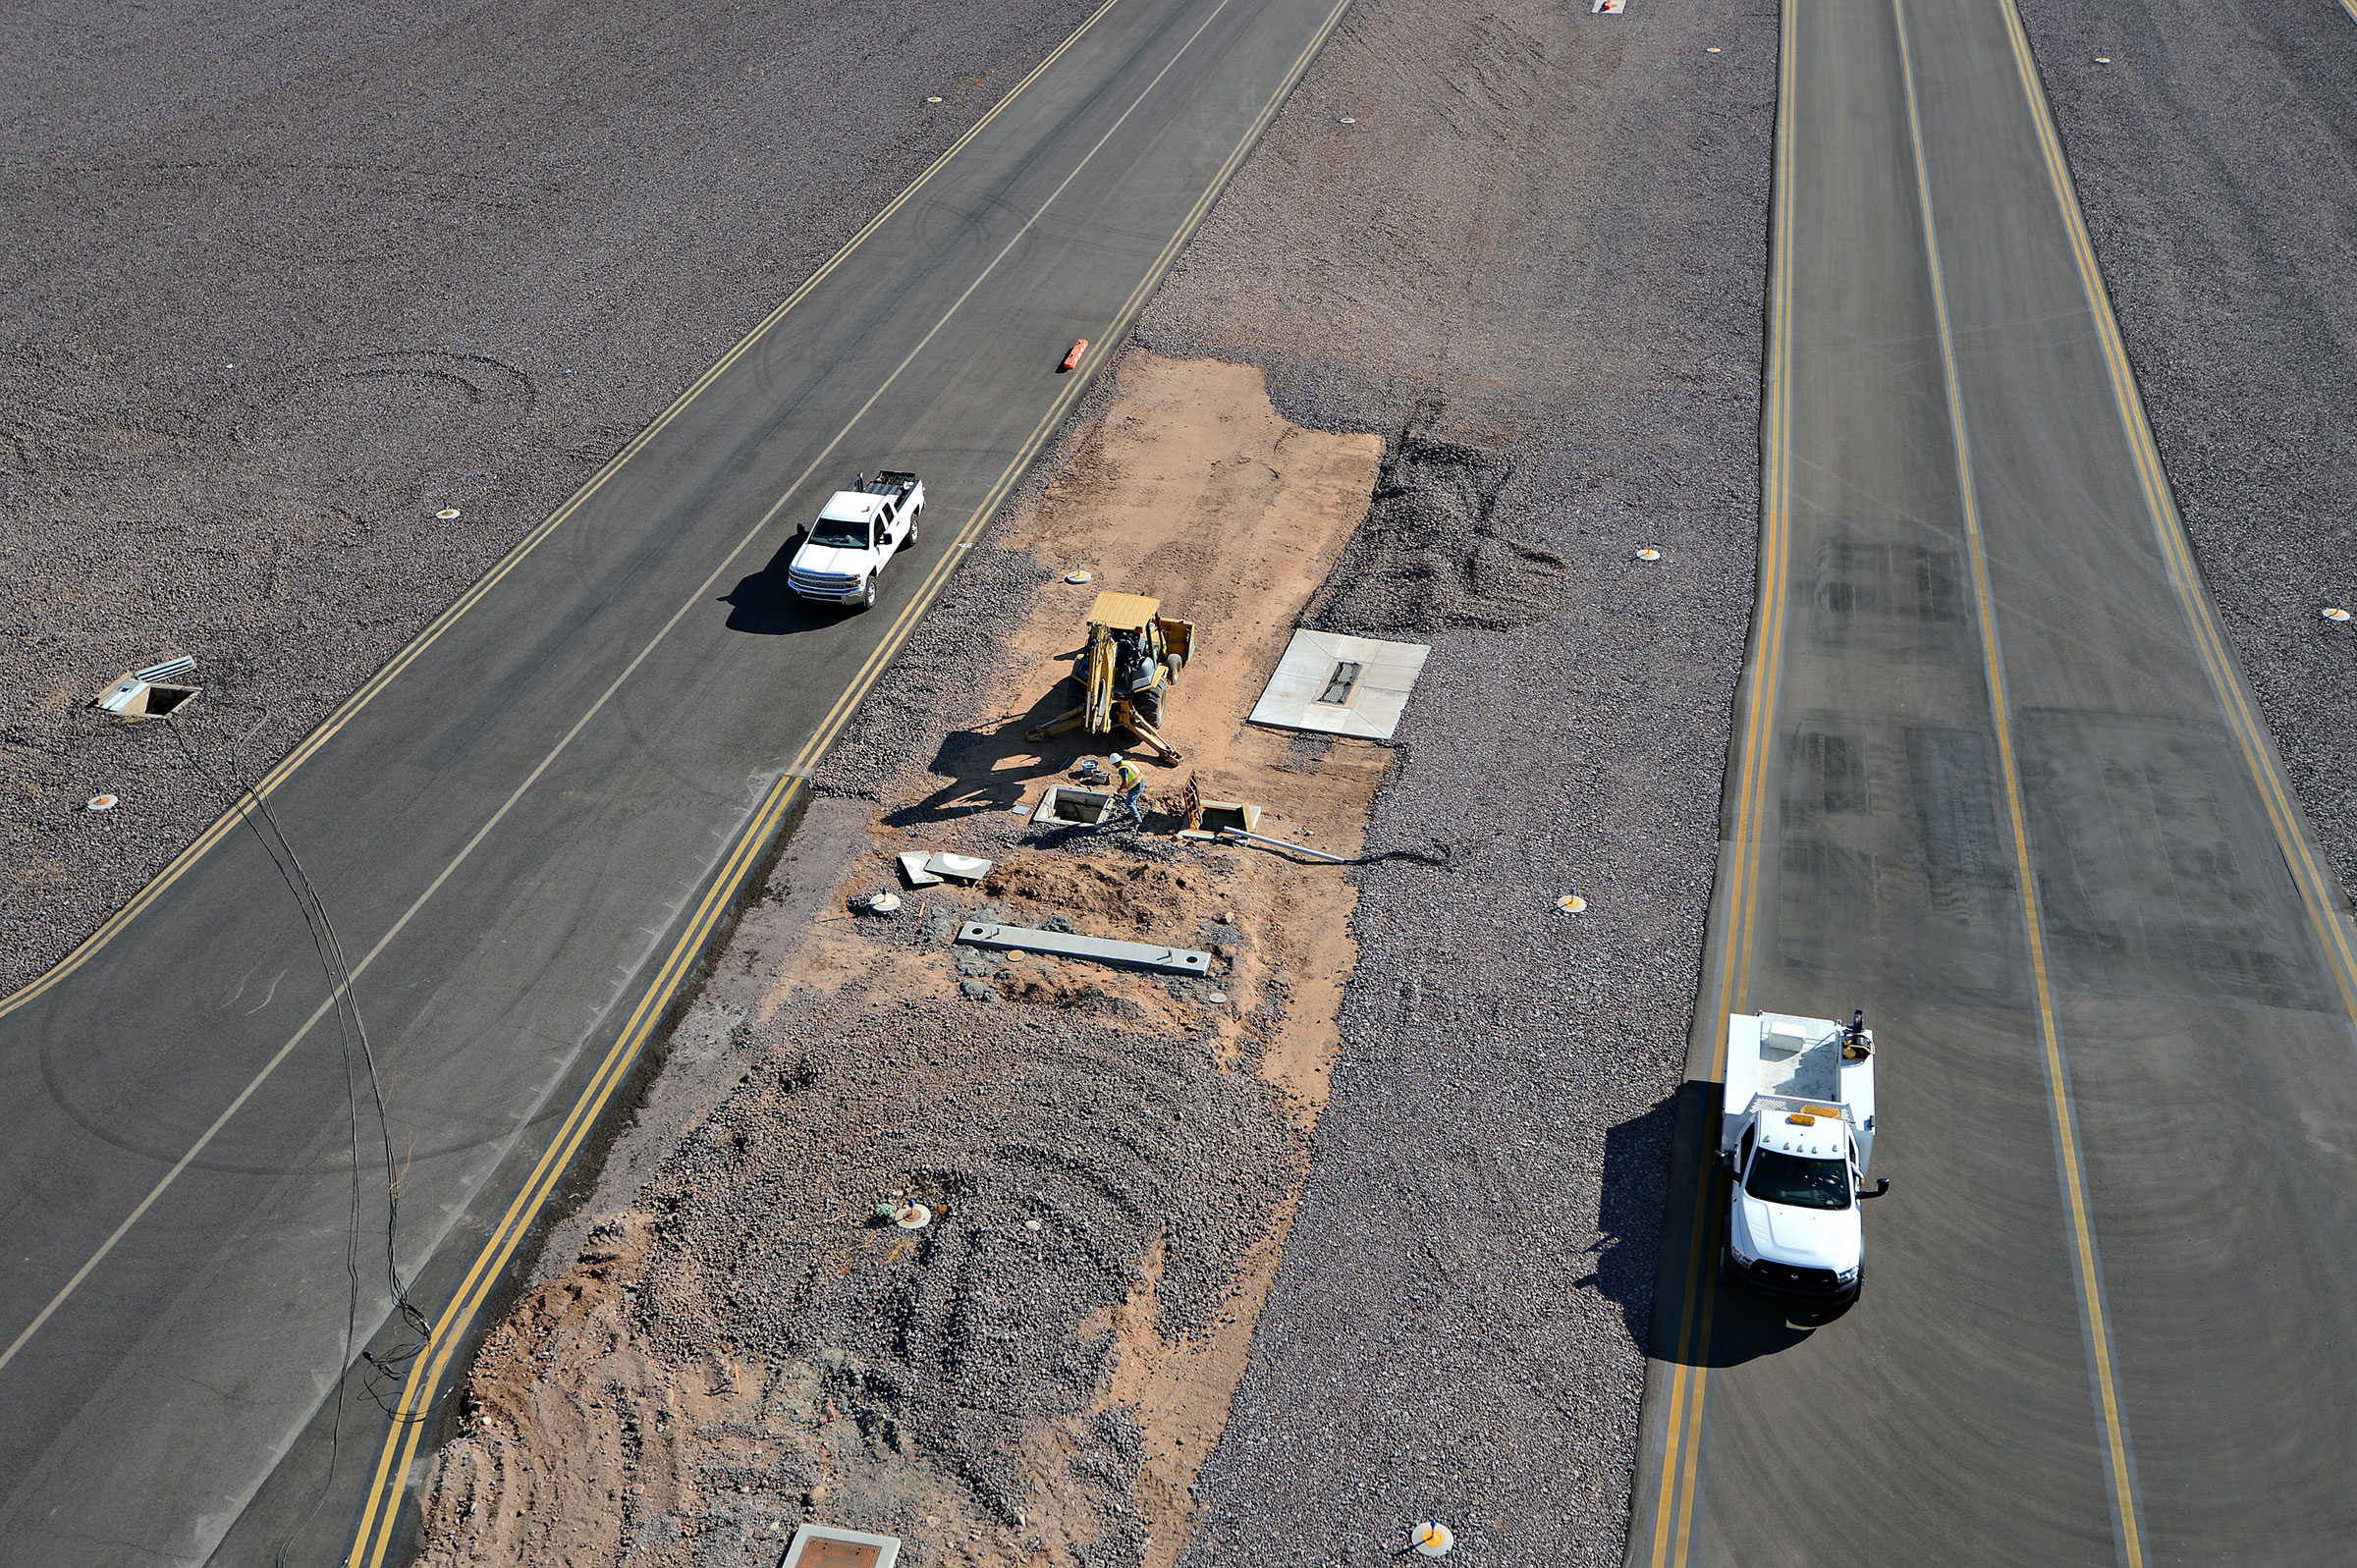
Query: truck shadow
point(1658, 1170)
point(763, 605)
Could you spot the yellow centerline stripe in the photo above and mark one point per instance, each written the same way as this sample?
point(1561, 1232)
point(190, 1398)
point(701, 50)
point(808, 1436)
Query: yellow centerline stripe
point(2315, 886)
point(426, 1371)
point(873, 663)
point(228, 820)
point(1689, 1378)
point(381, 1510)
point(1992, 660)
point(564, 742)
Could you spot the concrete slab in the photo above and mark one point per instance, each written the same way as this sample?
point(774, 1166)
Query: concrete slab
point(1341, 685)
point(1149, 956)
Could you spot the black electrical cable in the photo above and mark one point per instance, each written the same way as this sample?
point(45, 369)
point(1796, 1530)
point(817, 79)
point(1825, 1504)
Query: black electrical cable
point(349, 1028)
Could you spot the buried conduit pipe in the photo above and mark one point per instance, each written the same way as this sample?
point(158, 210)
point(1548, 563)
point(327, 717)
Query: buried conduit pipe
point(1422, 857)
point(1280, 844)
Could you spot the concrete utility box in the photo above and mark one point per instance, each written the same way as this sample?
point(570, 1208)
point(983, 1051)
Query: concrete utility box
point(1064, 806)
point(826, 1546)
point(134, 698)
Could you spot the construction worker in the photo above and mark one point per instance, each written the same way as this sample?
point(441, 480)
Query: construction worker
point(1131, 782)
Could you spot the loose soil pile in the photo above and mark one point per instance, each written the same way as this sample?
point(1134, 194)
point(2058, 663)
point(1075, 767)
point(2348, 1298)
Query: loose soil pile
point(729, 1340)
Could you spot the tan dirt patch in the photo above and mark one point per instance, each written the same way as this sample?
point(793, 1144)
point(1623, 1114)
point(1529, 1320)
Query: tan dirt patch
point(583, 1447)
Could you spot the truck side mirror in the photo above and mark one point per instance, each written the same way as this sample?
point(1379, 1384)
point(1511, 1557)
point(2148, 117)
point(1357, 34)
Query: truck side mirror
point(1880, 1187)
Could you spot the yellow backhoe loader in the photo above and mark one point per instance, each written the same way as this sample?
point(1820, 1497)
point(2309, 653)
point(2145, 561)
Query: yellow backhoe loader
point(1125, 674)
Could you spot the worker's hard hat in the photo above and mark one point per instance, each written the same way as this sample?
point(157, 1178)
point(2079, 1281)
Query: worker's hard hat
point(1113, 757)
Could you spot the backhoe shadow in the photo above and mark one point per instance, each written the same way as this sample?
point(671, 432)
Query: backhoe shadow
point(995, 765)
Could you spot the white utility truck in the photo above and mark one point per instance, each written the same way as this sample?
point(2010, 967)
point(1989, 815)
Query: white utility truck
point(1796, 1131)
point(844, 551)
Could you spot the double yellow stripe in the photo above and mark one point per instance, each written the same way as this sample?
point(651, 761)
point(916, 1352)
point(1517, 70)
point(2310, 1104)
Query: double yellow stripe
point(222, 826)
point(381, 1510)
point(2058, 1080)
point(1688, 1377)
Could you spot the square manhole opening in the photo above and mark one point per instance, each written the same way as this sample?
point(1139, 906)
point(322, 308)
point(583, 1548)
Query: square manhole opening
point(1062, 804)
point(1338, 684)
point(1221, 815)
point(162, 699)
point(134, 698)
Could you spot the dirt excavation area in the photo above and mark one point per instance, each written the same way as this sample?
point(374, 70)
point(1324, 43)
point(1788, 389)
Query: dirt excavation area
point(736, 1334)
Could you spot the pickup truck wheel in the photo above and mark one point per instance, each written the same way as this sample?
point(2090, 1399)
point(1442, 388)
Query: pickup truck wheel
point(867, 593)
point(909, 537)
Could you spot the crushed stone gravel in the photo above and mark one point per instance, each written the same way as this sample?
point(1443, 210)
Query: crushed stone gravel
point(972, 1337)
point(330, 271)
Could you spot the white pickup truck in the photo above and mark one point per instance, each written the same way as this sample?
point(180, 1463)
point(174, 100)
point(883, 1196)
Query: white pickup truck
point(844, 551)
point(1796, 1131)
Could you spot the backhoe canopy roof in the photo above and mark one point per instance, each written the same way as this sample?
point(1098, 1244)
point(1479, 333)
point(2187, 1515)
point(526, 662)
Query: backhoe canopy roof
point(1123, 611)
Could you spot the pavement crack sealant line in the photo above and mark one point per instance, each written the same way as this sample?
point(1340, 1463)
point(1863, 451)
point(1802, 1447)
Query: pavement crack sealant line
point(382, 1509)
point(1682, 1422)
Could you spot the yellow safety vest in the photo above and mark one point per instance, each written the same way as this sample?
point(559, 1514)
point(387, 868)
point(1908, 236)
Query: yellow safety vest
point(1129, 776)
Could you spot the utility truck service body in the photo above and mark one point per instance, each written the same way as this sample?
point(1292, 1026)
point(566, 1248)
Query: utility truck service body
point(1796, 1131)
point(842, 553)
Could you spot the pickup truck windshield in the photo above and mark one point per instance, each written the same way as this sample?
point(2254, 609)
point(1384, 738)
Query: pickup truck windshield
point(1801, 1182)
point(839, 535)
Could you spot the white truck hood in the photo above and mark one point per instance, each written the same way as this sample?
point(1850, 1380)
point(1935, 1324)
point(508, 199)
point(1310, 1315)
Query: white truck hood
point(848, 563)
point(1805, 1238)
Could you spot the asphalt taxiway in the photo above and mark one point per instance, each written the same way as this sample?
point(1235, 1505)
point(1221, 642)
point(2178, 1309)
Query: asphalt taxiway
point(1998, 782)
point(525, 831)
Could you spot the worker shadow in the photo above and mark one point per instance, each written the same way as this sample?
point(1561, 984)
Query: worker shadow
point(765, 606)
point(1662, 1182)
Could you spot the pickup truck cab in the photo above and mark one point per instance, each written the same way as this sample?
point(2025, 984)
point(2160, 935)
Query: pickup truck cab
point(842, 553)
point(1796, 1132)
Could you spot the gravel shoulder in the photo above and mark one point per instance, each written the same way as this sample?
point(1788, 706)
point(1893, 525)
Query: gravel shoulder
point(328, 272)
point(2215, 160)
point(1529, 243)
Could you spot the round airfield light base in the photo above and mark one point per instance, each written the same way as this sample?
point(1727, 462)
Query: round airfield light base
point(1078, 576)
point(2335, 612)
point(101, 803)
point(914, 1216)
point(447, 512)
point(1649, 552)
point(1432, 1539)
point(1571, 903)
